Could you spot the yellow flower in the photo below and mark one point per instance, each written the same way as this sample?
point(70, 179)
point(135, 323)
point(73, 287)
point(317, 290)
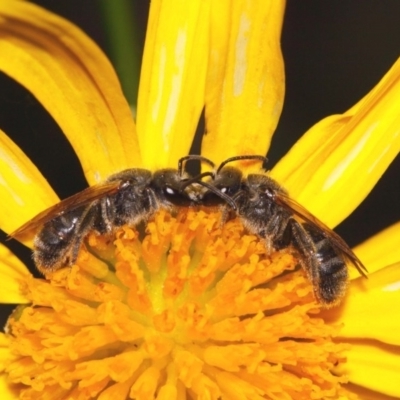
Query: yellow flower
point(190, 308)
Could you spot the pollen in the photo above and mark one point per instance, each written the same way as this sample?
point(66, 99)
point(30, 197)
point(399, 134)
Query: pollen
point(185, 308)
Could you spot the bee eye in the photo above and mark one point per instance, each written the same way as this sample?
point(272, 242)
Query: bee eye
point(169, 190)
point(224, 189)
point(269, 192)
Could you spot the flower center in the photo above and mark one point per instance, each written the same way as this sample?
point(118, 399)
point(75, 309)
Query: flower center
point(187, 309)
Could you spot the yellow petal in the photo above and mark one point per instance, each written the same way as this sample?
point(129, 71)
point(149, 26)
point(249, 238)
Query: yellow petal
point(334, 166)
point(74, 81)
point(245, 79)
point(370, 309)
point(171, 92)
point(12, 272)
point(376, 368)
point(380, 250)
point(6, 392)
point(366, 394)
point(4, 350)
point(23, 190)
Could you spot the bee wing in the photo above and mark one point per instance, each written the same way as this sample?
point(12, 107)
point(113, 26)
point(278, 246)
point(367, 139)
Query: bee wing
point(302, 213)
point(82, 198)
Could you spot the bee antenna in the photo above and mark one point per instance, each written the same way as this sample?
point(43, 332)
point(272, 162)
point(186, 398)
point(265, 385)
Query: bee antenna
point(211, 188)
point(191, 157)
point(197, 179)
point(245, 157)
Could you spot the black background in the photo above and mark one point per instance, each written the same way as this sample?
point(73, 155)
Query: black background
point(335, 52)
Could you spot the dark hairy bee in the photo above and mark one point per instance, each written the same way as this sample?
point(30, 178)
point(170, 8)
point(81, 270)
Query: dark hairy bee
point(267, 211)
point(128, 197)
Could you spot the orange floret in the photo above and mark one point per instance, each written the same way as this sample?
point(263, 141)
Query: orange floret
point(188, 309)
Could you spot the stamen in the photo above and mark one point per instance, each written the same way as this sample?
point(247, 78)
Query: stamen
point(190, 308)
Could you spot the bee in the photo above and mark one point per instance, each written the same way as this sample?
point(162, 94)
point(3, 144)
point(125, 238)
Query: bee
point(267, 211)
point(127, 197)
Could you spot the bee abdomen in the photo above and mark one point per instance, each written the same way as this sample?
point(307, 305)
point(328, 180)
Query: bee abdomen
point(331, 267)
point(333, 280)
point(57, 244)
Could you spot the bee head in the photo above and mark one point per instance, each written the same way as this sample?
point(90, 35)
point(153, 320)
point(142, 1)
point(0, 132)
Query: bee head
point(262, 185)
point(227, 185)
point(170, 189)
point(224, 185)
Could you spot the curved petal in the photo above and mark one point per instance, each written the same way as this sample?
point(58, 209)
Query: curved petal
point(172, 80)
point(376, 368)
point(370, 309)
point(12, 272)
point(23, 190)
point(74, 81)
point(4, 350)
point(245, 78)
point(381, 249)
point(339, 160)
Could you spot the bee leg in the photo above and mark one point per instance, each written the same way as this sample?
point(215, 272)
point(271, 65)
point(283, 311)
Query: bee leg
point(274, 232)
point(104, 215)
point(304, 245)
point(226, 215)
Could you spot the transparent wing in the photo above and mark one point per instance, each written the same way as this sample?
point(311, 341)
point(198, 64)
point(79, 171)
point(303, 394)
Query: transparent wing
point(82, 198)
point(303, 214)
